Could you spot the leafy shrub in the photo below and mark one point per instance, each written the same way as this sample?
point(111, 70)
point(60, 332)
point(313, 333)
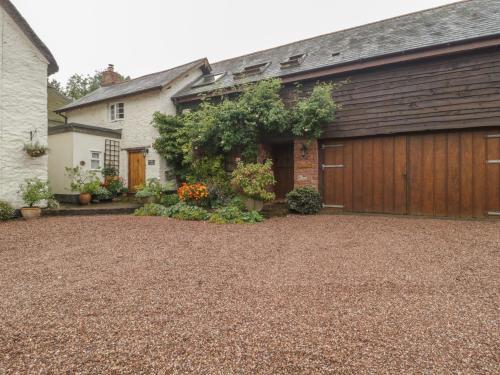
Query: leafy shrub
point(93, 187)
point(253, 180)
point(151, 209)
point(152, 188)
point(34, 191)
point(6, 211)
point(115, 185)
point(184, 211)
point(211, 171)
point(305, 200)
point(233, 215)
point(169, 200)
point(195, 193)
point(102, 194)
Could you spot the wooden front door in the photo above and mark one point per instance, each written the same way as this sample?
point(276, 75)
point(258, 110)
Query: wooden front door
point(282, 156)
point(136, 169)
point(453, 174)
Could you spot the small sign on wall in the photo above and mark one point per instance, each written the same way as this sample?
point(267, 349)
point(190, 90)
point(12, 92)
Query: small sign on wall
point(151, 162)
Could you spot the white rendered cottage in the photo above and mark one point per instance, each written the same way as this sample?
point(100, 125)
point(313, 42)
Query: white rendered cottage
point(25, 63)
point(129, 106)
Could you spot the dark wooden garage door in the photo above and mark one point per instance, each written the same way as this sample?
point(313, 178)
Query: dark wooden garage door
point(453, 174)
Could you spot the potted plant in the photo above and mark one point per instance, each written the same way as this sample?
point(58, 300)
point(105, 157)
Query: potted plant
point(84, 182)
point(253, 181)
point(115, 186)
point(35, 150)
point(34, 192)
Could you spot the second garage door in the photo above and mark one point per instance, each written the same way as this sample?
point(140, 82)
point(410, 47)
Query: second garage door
point(455, 174)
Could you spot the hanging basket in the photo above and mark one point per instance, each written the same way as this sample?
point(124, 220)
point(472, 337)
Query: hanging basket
point(35, 150)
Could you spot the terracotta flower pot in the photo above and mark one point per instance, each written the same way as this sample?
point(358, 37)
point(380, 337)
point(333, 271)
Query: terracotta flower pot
point(85, 198)
point(29, 213)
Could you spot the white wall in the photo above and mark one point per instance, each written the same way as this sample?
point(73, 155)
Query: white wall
point(70, 150)
point(23, 108)
point(83, 145)
point(60, 156)
point(137, 130)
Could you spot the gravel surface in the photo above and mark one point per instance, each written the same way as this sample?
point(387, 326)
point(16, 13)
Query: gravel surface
point(322, 294)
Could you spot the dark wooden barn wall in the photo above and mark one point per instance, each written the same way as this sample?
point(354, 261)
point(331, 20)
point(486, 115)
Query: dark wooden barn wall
point(446, 93)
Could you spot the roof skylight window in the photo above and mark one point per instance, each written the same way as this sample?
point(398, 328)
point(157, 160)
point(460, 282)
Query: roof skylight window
point(292, 61)
point(208, 79)
point(252, 70)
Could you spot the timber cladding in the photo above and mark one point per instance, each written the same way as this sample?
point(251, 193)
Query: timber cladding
point(452, 92)
point(447, 173)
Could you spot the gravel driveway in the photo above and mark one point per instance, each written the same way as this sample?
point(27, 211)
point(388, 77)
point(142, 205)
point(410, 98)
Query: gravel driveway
point(315, 294)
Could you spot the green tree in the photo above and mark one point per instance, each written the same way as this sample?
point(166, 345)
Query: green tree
point(79, 85)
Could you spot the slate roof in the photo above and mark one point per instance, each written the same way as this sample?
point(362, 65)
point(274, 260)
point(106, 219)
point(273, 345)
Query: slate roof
point(30, 34)
point(134, 86)
point(453, 23)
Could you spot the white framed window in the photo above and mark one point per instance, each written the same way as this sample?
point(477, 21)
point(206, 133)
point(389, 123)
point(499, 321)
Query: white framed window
point(95, 160)
point(116, 111)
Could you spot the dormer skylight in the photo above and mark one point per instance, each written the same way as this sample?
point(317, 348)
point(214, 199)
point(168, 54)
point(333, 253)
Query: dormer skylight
point(208, 79)
point(251, 70)
point(292, 61)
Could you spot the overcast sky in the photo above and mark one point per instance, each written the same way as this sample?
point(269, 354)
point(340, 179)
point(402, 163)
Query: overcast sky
point(146, 36)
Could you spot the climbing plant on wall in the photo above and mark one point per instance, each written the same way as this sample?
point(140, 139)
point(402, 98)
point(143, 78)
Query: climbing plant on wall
point(238, 124)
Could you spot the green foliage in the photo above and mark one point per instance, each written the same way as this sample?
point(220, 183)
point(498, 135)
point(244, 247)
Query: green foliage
point(6, 211)
point(310, 114)
point(102, 194)
point(211, 171)
point(151, 209)
point(305, 200)
point(152, 188)
point(116, 186)
point(82, 181)
point(237, 125)
point(109, 172)
point(34, 191)
point(184, 211)
point(169, 200)
point(91, 187)
point(234, 215)
point(254, 180)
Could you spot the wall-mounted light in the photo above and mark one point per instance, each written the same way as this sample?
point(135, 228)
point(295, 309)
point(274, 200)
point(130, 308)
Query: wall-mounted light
point(303, 150)
point(145, 152)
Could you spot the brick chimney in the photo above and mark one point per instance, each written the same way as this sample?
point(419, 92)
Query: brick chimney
point(110, 77)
